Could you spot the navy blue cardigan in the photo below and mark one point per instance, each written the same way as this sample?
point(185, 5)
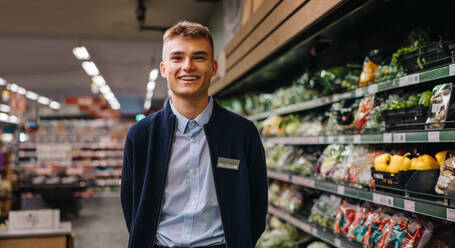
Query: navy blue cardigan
point(242, 193)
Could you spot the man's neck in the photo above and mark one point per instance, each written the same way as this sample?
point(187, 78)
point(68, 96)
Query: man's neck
point(190, 108)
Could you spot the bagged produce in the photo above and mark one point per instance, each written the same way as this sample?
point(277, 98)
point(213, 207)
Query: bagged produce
point(324, 211)
point(346, 216)
point(446, 180)
point(439, 106)
point(329, 159)
point(358, 166)
point(363, 113)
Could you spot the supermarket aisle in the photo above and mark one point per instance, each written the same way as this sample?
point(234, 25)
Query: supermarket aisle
point(100, 224)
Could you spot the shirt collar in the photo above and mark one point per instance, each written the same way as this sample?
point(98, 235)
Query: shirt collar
point(202, 119)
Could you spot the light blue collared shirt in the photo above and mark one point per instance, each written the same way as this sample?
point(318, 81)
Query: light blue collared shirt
point(190, 215)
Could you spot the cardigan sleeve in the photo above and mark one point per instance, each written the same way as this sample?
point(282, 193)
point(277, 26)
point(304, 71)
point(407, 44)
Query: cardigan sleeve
point(126, 183)
point(258, 186)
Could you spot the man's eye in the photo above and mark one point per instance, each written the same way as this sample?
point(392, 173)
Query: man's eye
point(200, 58)
point(176, 58)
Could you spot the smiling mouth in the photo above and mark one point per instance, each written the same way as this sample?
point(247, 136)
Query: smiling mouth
point(189, 78)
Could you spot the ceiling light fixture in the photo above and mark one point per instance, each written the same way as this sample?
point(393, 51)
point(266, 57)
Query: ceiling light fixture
point(54, 105)
point(81, 53)
point(21, 91)
point(90, 68)
point(99, 80)
point(43, 100)
point(105, 89)
point(153, 75)
point(151, 86)
point(31, 95)
point(2, 81)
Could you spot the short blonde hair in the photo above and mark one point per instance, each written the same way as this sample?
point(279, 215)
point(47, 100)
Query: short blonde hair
point(186, 29)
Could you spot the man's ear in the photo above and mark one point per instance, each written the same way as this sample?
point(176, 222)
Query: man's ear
point(214, 67)
point(163, 69)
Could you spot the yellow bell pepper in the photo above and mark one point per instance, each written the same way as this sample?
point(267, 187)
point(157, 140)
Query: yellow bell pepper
point(399, 163)
point(424, 162)
point(441, 157)
point(382, 162)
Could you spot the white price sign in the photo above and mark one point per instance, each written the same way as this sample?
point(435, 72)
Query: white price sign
point(303, 181)
point(341, 139)
point(321, 140)
point(314, 231)
point(433, 136)
point(331, 139)
point(450, 214)
point(336, 98)
point(383, 199)
point(372, 89)
point(399, 137)
point(409, 205)
point(340, 190)
point(337, 242)
point(387, 138)
point(452, 70)
point(306, 227)
point(408, 80)
point(359, 92)
point(357, 139)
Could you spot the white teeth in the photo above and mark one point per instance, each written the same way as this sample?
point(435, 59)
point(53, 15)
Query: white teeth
point(188, 78)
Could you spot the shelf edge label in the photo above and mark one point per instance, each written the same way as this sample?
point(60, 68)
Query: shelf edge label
point(452, 70)
point(340, 189)
point(383, 199)
point(341, 139)
point(337, 242)
point(409, 205)
point(450, 215)
point(399, 137)
point(372, 89)
point(357, 139)
point(387, 137)
point(433, 136)
point(314, 231)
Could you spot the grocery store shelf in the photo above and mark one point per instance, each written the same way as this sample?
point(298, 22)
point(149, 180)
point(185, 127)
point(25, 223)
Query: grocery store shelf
point(413, 79)
point(379, 138)
point(316, 231)
point(424, 207)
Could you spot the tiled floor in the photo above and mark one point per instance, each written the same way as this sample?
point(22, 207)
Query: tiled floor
point(100, 224)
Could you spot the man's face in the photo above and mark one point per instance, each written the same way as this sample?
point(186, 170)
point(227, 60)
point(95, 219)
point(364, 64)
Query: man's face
point(188, 66)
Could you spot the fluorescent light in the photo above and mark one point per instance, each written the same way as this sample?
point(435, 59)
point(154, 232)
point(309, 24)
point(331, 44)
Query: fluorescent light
point(115, 106)
point(81, 53)
point(2, 81)
point(90, 68)
point(151, 86)
point(149, 95)
point(13, 119)
point(54, 105)
point(153, 74)
point(147, 104)
point(105, 89)
point(99, 80)
point(5, 108)
point(31, 95)
point(3, 117)
point(43, 100)
point(21, 91)
point(109, 96)
point(12, 87)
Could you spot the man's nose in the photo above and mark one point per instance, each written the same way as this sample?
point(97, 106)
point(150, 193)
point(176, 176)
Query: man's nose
point(188, 65)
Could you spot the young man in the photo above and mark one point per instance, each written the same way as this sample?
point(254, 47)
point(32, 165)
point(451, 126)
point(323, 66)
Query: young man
point(194, 173)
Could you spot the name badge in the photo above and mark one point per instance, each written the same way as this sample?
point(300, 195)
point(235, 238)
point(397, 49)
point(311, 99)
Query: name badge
point(228, 163)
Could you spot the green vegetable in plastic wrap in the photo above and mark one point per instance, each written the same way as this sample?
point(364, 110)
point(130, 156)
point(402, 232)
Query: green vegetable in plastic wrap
point(425, 98)
point(413, 100)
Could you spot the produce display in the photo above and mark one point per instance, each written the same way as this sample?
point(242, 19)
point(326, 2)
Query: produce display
point(324, 211)
point(281, 235)
point(291, 159)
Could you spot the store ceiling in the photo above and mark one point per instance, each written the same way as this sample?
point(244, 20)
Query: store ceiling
point(36, 39)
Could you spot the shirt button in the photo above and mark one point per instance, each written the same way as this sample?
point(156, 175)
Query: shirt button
point(193, 171)
point(193, 140)
point(193, 203)
point(192, 124)
point(187, 231)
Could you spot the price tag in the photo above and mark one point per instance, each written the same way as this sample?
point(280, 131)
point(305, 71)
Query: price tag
point(303, 181)
point(408, 80)
point(451, 69)
point(383, 199)
point(341, 139)
point(357, 139)
point(330, 139)
point(387, 138)
point(340, 190)
point(372, 89)
point(314, 231)
point(450, 214)
point(336, 98)
point(433, 136)
point(321, 140)
point(399, 137)
point(409, 205)
point(359, 92)
point(337, 242)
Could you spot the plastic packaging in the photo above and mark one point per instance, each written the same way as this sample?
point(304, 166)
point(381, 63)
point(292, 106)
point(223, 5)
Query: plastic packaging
point(439, 106)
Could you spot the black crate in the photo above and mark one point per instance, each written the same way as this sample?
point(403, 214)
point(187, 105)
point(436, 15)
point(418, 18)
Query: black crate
point(433, 55)
point(412, 118)
point(391, 180)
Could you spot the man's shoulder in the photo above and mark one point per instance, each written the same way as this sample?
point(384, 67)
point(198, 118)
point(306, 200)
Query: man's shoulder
point(144, 125)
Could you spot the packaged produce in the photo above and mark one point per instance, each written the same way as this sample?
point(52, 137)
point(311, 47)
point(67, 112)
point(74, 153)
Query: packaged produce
point(324, 211)
point(345, 217)
point(271, 126)
point(439, 106)
point(302, 166)
point(363, 113)
point(329, 159)
point(279, 234)
point(358, 172)
point(446, 178)
point(310, 128)
point(368, 73)
point(318, 244)
point(291, 124)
